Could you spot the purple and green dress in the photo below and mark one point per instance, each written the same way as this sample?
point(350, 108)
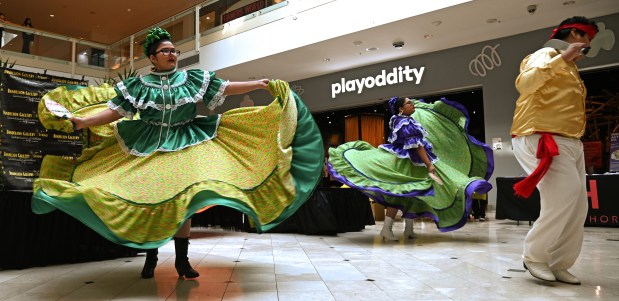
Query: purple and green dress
point(162, 163)
point(394, 175)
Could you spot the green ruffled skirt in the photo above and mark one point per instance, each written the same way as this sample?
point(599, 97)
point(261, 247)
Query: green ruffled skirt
point(264, 161)
point(464, 166)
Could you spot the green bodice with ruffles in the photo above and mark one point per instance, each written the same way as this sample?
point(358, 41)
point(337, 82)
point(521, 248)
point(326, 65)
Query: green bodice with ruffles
point(166, 103)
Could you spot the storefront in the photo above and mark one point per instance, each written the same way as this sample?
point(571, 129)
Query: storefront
point(490, 66)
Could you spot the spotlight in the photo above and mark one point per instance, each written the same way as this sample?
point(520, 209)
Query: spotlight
point(398, 44)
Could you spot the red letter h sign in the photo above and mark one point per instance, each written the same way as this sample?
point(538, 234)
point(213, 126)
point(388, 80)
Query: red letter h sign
point(593, 194)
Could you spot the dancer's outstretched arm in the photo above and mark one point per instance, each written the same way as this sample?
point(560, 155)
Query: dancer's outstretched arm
point(101, 118)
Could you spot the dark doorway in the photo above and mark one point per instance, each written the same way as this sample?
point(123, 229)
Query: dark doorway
point(602, 107)
point(332, 123)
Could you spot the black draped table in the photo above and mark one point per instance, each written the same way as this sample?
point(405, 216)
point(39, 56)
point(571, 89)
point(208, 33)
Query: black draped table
point(30, 239)
point(330, 211)
point(603, 198)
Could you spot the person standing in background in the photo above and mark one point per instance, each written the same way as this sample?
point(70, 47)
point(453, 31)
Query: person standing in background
point(28, 38)
point(549, 120)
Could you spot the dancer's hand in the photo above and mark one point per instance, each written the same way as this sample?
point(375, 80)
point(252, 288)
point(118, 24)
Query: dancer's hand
point(573, 52)
point(78, 123)
point(263, 83)
point(433, 176)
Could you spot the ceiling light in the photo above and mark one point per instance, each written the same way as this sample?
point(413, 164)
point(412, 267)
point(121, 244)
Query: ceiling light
point(357, 43)
point(569, 2)
point(490, 21)
point(436, 23)
point(371, 49)
point(51, 16)
point(398, 44)
point(327, 60)
point(427, 36)
point(128, 9)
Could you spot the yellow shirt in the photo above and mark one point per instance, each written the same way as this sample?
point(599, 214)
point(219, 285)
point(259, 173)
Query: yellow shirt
point(552, 96)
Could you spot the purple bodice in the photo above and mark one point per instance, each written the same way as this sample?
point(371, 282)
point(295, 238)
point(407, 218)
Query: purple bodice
point(406, 136)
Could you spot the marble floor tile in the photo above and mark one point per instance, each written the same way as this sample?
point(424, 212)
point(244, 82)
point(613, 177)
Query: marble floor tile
point(481, 261)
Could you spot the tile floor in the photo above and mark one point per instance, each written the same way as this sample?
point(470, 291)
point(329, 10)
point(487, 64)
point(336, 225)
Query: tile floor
point(481, 261)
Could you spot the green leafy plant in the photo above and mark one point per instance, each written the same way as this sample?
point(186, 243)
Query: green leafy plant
point(6, 63)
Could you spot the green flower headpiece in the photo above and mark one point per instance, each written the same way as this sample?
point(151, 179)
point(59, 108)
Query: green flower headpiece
point(153, 36)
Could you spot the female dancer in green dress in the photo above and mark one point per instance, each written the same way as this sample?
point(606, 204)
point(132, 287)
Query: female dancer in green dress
point(397, 174)
point(140, 186)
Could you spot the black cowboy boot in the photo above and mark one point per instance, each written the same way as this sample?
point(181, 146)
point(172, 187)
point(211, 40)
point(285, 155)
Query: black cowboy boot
point(149, 265)
point(183, 268)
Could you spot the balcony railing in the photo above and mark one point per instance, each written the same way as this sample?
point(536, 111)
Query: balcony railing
point(47, 50)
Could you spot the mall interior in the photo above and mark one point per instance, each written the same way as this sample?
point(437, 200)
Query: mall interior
point(331, 247)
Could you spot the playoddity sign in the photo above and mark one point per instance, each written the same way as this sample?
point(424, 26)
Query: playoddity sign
point(396, 75)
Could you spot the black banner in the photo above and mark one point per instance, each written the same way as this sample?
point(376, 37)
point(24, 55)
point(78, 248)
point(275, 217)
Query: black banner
point(601, 193)
point(23, 140)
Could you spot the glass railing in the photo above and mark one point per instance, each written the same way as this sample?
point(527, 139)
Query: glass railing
point(19, 42)
point(212, 16)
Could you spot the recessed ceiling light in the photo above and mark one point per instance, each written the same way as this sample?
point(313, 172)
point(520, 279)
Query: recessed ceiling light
point(371, 49)
point(357, 43)
point(52, 16)
point(427, 36)
point(128, 9)
point(490, 21)
point(436, 23)
point(569, 2)
point(327, 60)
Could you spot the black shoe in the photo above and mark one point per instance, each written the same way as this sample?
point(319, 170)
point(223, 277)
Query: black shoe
point(184, 269)
point(148, 271)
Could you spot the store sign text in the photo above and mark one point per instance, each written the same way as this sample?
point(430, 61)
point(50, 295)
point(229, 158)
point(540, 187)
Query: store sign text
point(395, 76)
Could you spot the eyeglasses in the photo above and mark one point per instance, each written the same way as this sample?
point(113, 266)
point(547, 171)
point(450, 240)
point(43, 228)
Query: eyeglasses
point(168, 51)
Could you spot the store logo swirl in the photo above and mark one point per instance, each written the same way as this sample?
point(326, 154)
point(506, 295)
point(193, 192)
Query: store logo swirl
point(488, 59)
point(297, 89)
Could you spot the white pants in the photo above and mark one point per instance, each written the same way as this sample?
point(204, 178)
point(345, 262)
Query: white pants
point(557, 235)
